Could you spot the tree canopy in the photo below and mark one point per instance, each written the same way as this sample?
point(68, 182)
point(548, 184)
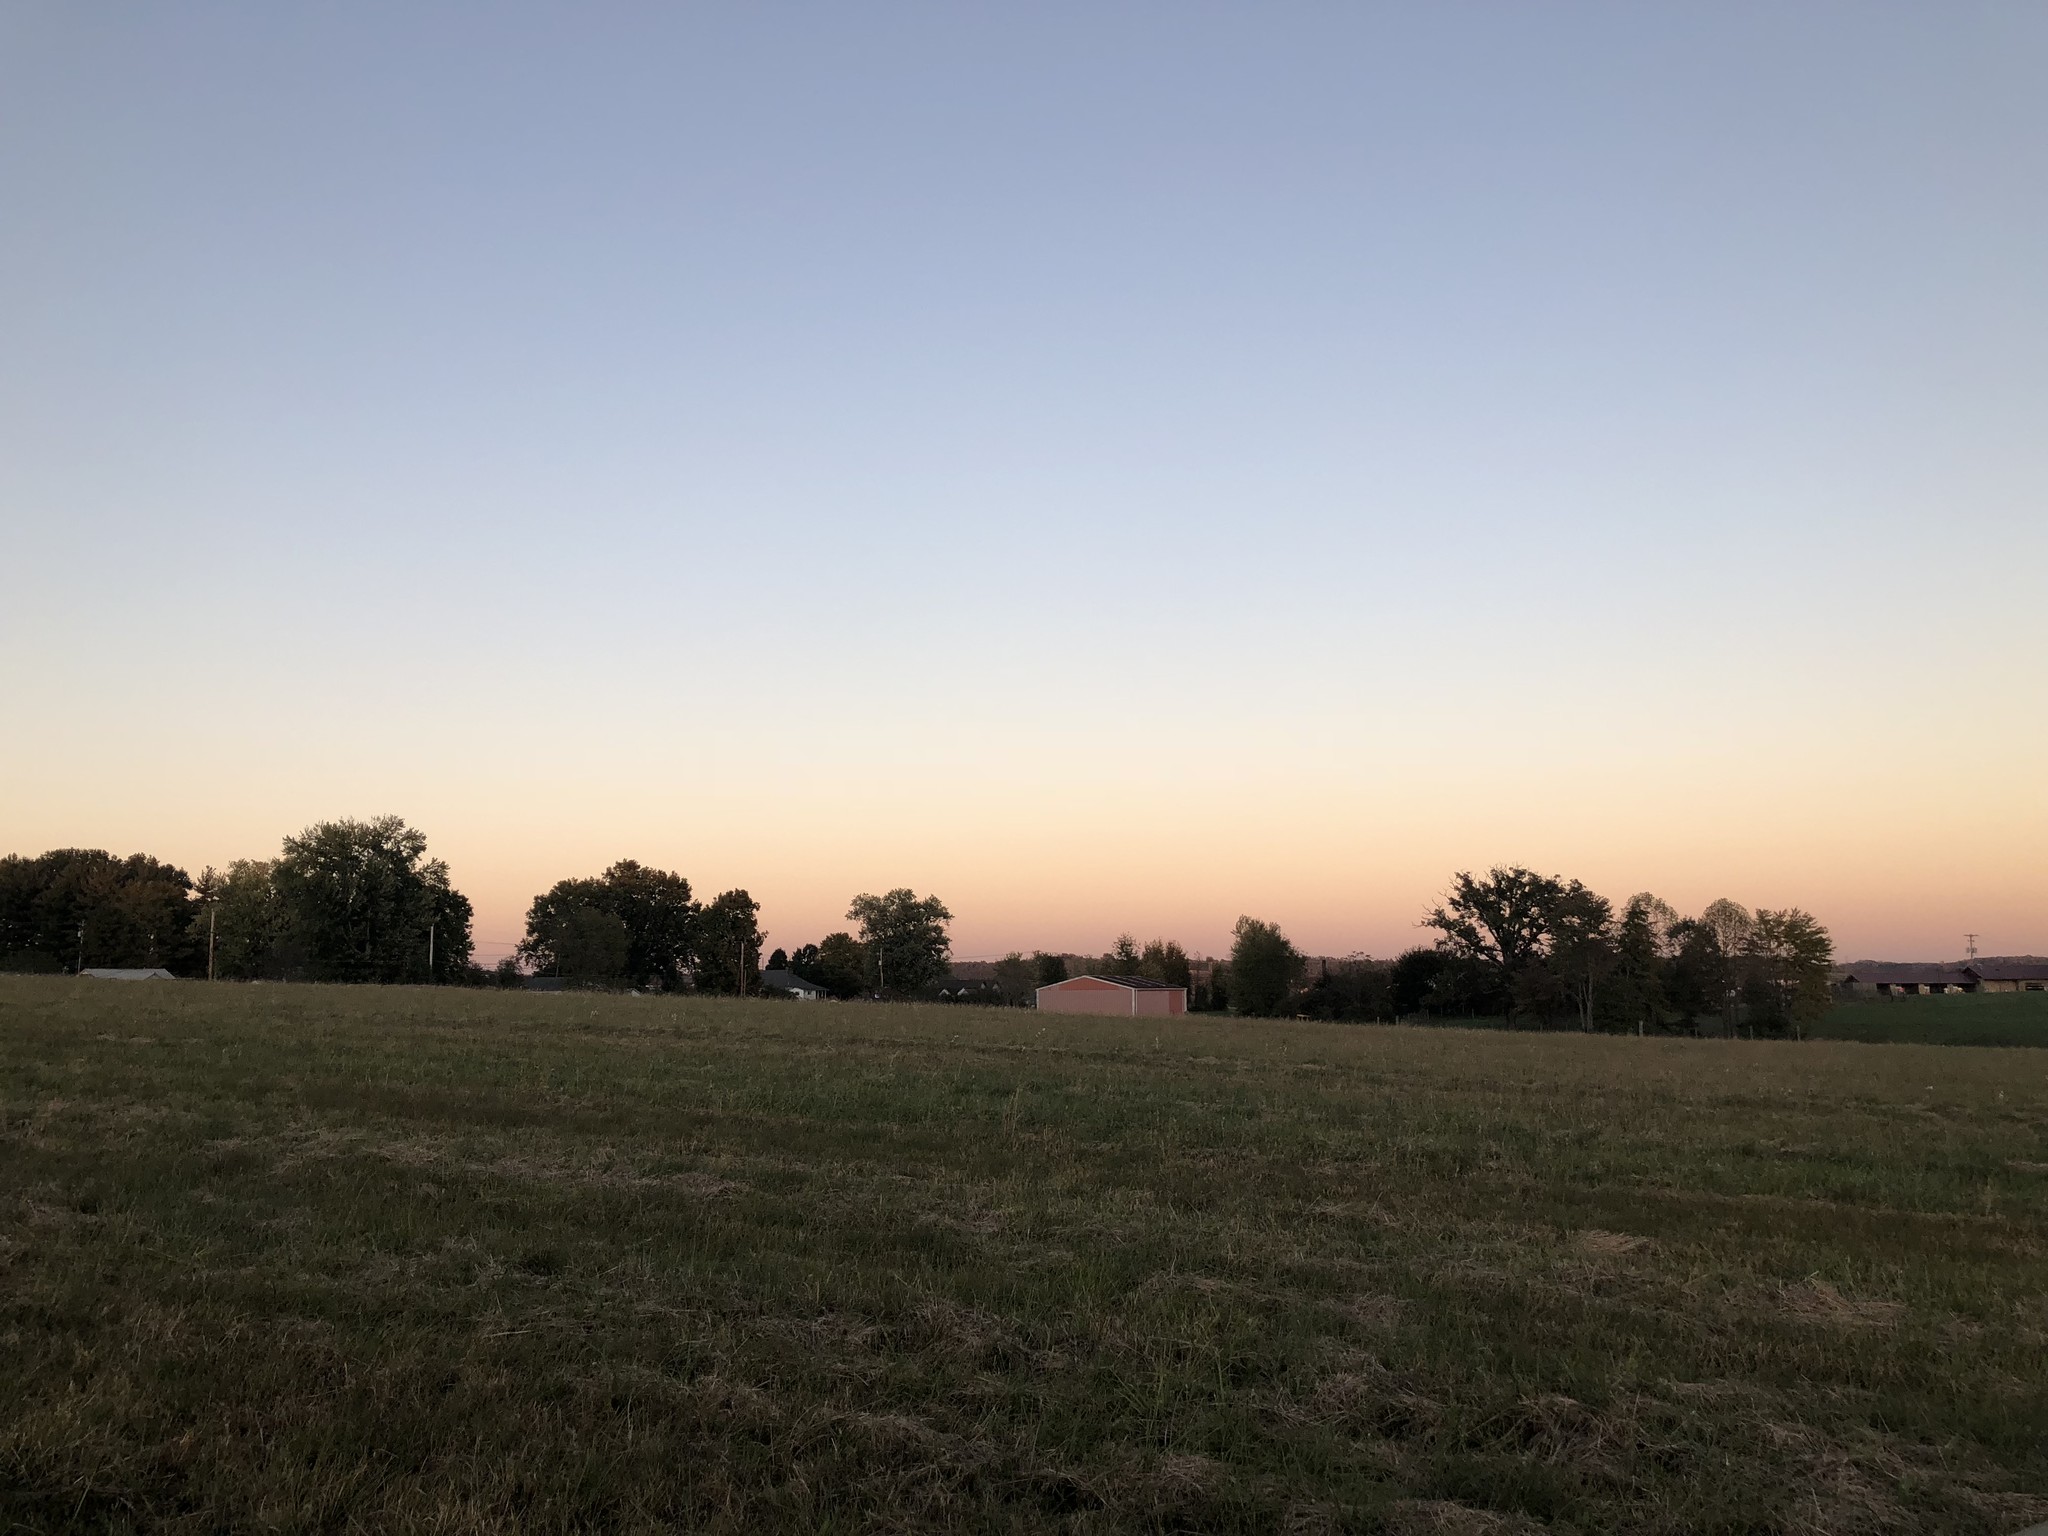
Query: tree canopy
point(361, 901)
point(1264, 967)
point(904, 937)
point(652, 907)
point(729, 943)
point(76, 908)
point(1530, 945)
point(835, 963)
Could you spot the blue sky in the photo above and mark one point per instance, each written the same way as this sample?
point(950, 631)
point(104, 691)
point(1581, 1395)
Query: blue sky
point(860, 447)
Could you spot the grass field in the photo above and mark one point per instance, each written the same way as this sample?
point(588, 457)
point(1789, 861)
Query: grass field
point(1993, 1018)
point(298, 1258)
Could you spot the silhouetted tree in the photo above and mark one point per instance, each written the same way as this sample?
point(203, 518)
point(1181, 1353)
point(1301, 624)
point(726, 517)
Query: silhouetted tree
point(1642, 938)
point(1499, 926)
point(590, 947)
point(1785, 961)
point(904, 935)
point(1263, 967)
point(83, 907)
point(1015, 978)
point(728, 949)
point(1353, 991)
point(1164, 960)
point(834, 963)
point(361, 901)
point(653, 906)
point(1412, 980)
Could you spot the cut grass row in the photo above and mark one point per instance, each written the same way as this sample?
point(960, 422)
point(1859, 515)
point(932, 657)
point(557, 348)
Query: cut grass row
point(408, 1259)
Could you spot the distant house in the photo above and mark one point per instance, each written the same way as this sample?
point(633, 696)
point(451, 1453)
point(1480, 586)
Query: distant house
point(152, 973)
point(788, 981)
point(1132, 996)
point(970, 989)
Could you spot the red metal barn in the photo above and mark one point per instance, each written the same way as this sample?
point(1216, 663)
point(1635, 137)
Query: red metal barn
point(1130, 996)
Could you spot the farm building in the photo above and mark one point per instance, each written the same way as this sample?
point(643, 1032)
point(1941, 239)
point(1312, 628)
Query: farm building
point(1899, 980)
point(126, 973)
point(1126, 995)
point(2024, 976)
point(1906, 980)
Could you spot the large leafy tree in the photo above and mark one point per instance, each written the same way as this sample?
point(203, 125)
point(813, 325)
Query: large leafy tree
point(242, 920)
point(1412, 978)
point(1638, 997)
point(1353, 991)
point(1264, 967)
point(1124, 957)
point(904, 937)
point(652, 906)
point(834, 963)
point(1785, 960)
point(1699, 980)
point(590, 947)
point(1498, 926)
point(728, 954)
point(84, 907)
point(1581, 947)
point(1017, 978)
point(361, 901)
point(1164, 960)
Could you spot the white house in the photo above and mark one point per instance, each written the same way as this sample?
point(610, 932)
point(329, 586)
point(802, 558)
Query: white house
point(788, 981)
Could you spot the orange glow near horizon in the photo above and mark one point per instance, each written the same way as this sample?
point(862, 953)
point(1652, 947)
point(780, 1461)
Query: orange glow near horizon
point(1155, 844)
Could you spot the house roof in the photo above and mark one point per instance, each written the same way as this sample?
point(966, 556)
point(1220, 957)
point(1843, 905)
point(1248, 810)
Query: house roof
point(2037, 971)
point(1135, 983)
point(1877, 972)
point(127, 973)
point(788, 981)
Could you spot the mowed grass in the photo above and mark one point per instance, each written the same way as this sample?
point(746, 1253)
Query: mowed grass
point(299, 1258)
point(1990, 1018)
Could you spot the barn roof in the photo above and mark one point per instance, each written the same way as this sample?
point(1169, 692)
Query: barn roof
point(2038, 971)
point(1135, 983)
point(1876, 972)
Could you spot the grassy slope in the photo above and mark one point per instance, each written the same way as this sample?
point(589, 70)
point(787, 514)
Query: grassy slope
point(295, 1257)
point(1993, 1018)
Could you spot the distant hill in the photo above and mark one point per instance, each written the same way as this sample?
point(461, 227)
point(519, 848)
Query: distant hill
point(1947, 965)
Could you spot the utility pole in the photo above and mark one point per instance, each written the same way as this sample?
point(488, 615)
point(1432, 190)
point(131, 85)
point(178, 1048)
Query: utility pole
point(430, 950)
point(1970, 945)
point(81, 949)
point(212, 907)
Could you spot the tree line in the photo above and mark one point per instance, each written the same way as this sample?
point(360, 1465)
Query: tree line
point(1527, 949)
point(342, 901)
point(362, 901)
point(639, 927)
point(1543, 951)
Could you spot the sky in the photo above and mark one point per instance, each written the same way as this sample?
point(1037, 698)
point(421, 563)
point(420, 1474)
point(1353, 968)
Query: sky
point(1113, 466)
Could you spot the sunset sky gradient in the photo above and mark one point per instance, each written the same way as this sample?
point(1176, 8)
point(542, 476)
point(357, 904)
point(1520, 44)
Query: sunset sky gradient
point(1113, 466)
